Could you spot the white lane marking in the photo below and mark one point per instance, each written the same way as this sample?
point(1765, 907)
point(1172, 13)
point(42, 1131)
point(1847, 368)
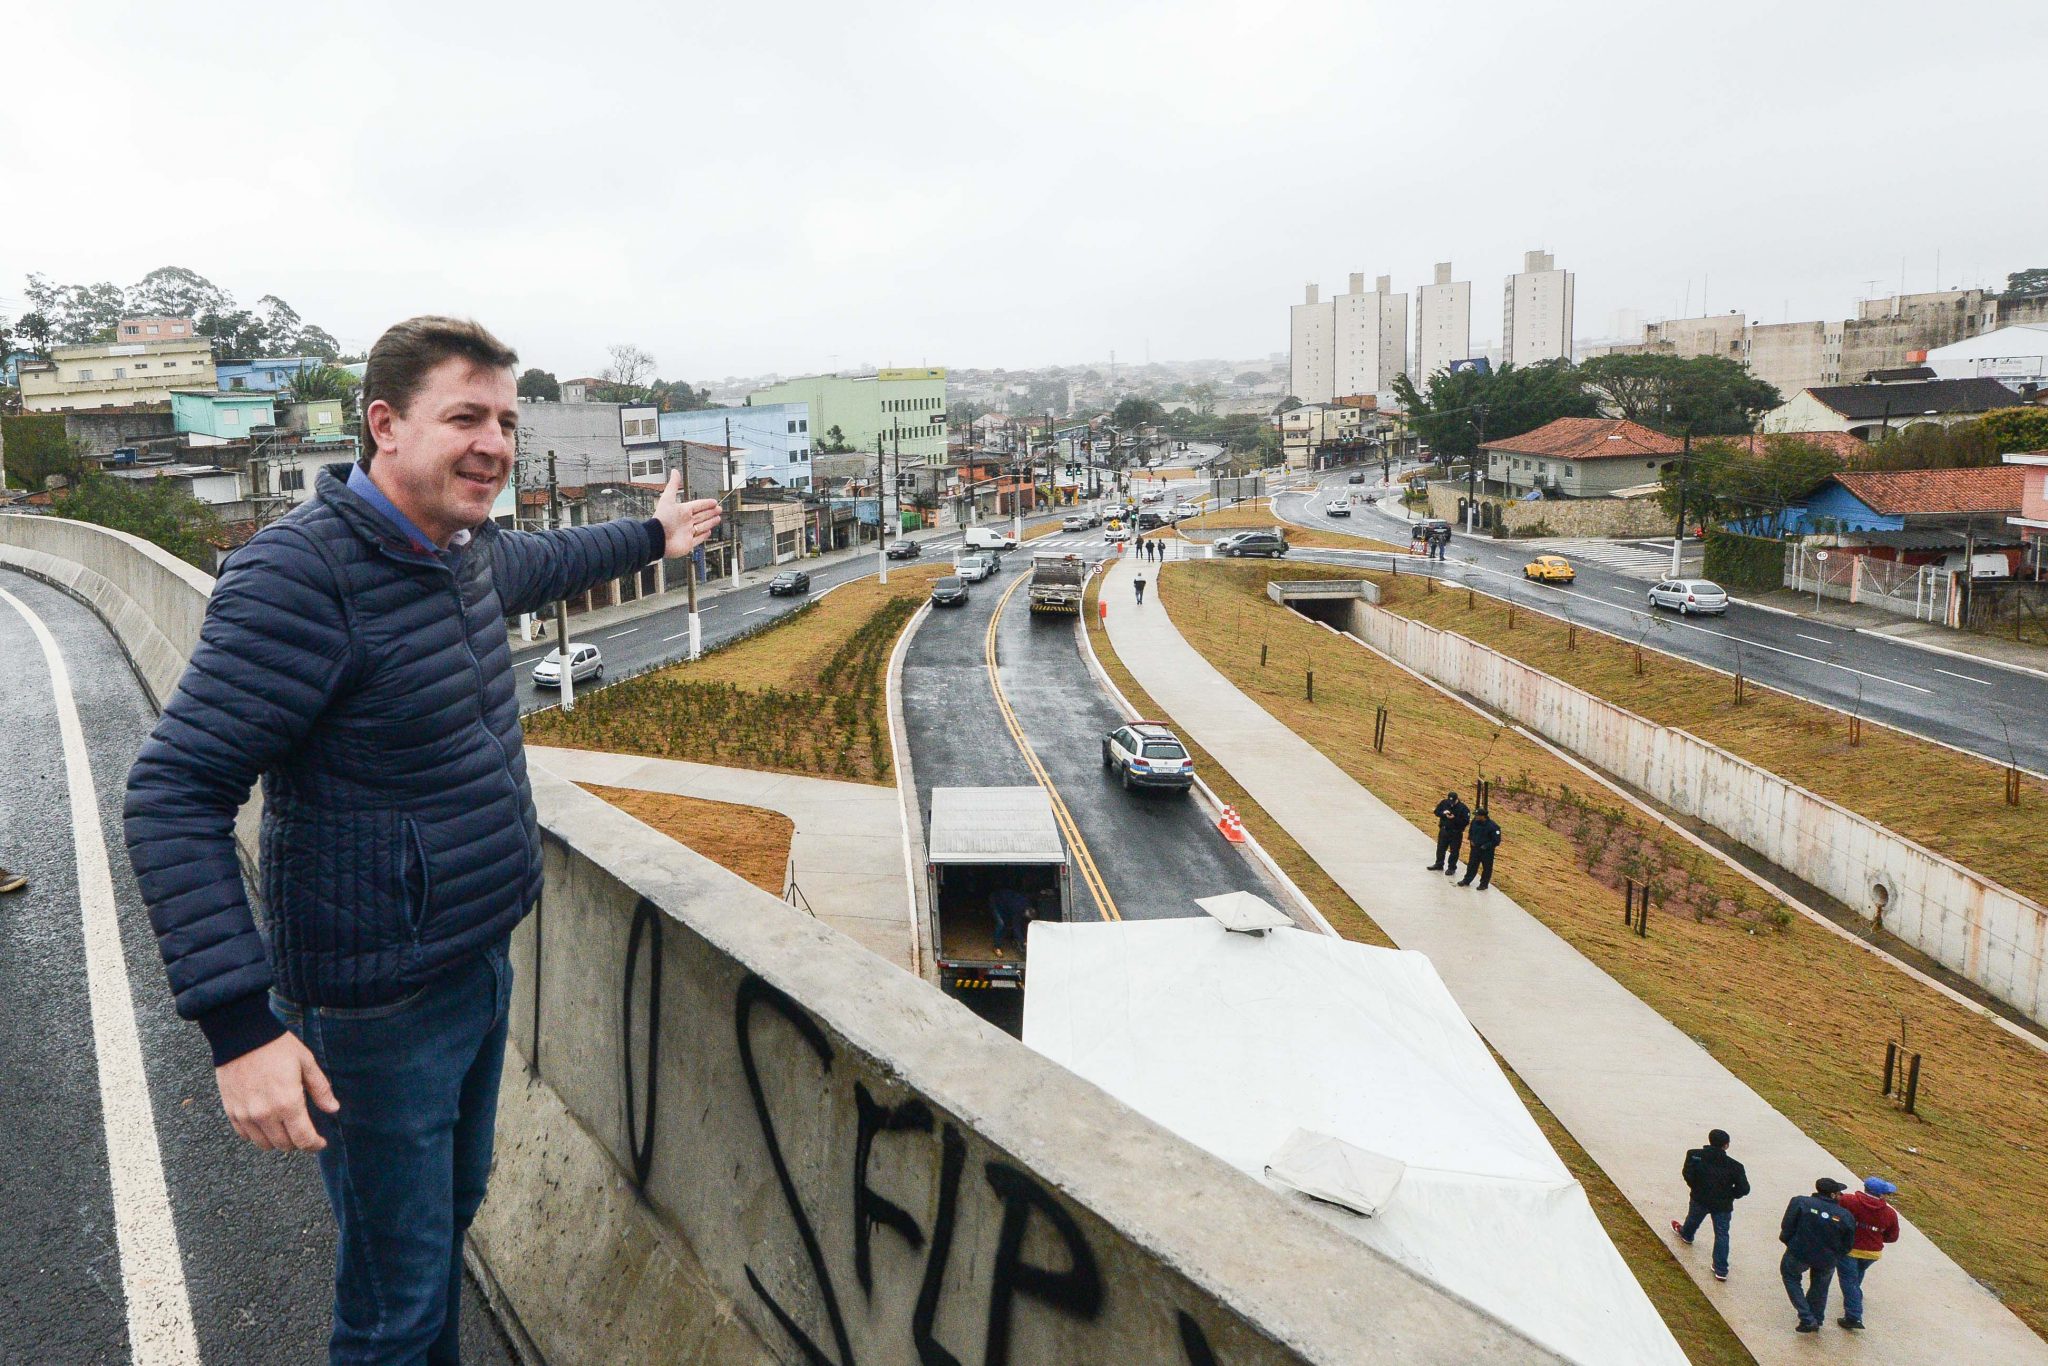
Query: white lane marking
point(1626, 592)
point(1985, 682)
point(152, 1271)
point(627, 632)
point(1818, 640)
point(677, 636)
point(750, 611)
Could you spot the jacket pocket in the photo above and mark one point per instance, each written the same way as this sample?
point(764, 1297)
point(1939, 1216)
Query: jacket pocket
point(418, 879)
point(343, 883)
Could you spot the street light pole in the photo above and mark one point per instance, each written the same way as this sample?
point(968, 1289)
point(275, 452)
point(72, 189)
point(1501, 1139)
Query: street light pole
point(1472, 472)
point(690, 572)
point(1684, 468)
point(881, 507)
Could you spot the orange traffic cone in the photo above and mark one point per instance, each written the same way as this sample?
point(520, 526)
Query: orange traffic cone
point(1231, 826)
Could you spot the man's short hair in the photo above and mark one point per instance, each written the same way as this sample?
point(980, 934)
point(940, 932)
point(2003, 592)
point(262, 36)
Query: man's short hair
point(1717, 1138)
point(400, 360)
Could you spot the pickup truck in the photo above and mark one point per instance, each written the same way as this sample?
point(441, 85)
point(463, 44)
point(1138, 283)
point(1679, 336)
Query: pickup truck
point(979, 841)
point(1056, 583)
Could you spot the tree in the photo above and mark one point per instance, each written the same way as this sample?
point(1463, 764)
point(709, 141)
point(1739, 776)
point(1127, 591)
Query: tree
point(678, 397)
point(538, 383)
point(963, 413)
point(317, 341)
point(1053, 396)
point(36, 330)
point(2033, 280)
point(280, 322)
point(154, 510)
point(1707, 395)
point(1134, 411)
point(237, 332)
point(76, 313)
point(1203, 396)
point(1727, 484)
point(2017, 429)
point(629, 369)
point(37, 448)
point(834, 442)
point(175, 292)
point(315, 382)
point(1931, 446)
point(1250, 379)
point(1286, 405)
point(1516, 399)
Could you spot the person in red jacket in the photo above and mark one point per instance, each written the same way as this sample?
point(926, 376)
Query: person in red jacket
point(1877, 1223)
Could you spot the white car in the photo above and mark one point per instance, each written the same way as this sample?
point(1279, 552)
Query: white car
point(1116, 535)
point(975, 568)
point(584, 662)
point(1156, 496)
point(1184, 511)
point(1337, 507)
point(988, 538)
point(1687, 596)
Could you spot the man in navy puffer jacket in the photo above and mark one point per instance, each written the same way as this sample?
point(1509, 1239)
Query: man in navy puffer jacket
point(354, 658)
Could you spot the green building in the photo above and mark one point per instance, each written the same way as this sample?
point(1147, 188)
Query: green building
point(211, 418)
point(906, 409)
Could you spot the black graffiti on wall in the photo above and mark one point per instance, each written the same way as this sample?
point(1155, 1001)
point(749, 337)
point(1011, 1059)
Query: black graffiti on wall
point(1075, 1290)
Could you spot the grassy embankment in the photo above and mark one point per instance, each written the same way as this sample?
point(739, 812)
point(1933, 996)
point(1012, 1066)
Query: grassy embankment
point(1952, 804)
point(1246, 515)
point(1720, 958)
point(1699, 1328)
point(807, 695)
point(751, 841)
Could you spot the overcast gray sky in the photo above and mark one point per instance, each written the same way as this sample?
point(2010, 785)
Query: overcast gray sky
point(742, 188)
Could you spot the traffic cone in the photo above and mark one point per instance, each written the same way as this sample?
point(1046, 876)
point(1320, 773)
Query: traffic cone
point(1231, 826)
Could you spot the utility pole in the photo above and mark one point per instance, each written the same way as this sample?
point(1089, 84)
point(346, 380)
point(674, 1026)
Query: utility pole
point(1472, 472)
point(1684, 468)
point(881, 508)
point(690, 572)
point(562, 650)
point(732, 480)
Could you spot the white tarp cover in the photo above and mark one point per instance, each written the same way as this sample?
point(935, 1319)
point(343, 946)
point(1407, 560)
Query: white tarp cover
point(1236, 1042)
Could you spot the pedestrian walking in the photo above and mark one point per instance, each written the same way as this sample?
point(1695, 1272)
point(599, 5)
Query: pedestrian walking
point(1877, 1224)
point(1484, 838)
point(1817, 1232)
point(1138, 583)
point(1716, 1181)
point(399, 850)
point(1452, 816)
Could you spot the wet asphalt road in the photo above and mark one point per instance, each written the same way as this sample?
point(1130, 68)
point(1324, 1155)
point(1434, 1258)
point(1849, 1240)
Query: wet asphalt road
point(253, 1229)
point(1959, 702)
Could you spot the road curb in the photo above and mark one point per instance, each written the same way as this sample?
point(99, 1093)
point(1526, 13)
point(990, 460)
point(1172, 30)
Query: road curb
point(906, 790)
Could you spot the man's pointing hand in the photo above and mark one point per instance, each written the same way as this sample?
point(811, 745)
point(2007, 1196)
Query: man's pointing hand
point(689, 524)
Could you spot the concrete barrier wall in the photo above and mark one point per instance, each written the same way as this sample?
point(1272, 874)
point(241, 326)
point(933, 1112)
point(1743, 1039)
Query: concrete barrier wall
point(1988, 933)
point(729, 1134)
point(844, 1164)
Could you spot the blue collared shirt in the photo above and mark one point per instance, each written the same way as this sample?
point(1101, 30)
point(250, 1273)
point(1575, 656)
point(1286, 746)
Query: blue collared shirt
point(360, 484)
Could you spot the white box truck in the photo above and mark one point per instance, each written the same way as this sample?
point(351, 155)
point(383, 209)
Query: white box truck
point(980, 841)
point(989, 538)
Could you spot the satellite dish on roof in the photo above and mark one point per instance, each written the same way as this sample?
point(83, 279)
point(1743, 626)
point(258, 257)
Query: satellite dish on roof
point(1244, 913)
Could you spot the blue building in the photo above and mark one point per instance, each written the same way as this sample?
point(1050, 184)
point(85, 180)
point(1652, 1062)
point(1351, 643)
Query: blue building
point(774, 439)
point(10, 368)
point(264, 375)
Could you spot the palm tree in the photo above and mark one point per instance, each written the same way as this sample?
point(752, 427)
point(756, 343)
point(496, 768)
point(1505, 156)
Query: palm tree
point(314, 382)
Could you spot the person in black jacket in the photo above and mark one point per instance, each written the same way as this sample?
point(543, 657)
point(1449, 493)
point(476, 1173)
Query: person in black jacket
point(1485, 838)
point(1452, 815)
point(1716, 1182)
point(1817, 1232)
point(354, 658)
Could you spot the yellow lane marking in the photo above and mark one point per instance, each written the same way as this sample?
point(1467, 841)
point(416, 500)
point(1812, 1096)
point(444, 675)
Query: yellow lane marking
point(1084, 860)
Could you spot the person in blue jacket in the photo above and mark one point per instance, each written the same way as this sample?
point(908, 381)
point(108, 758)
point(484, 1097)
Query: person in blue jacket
point(354, 658)
point(1817, 1232)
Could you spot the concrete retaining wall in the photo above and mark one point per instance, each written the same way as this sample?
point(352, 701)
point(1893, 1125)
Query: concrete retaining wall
point(1299, 590)
point(1988, 933)
point(1556, 516)
point(728, 1134)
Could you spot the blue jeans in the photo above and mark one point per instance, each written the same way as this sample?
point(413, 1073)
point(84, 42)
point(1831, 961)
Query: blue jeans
point(1812, 1300)
point(1008, 927)
point(1697, 1212)
point(408, 1155)
point(1852, 1270)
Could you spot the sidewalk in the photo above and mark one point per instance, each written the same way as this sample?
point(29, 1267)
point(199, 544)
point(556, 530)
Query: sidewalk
point(1928, 635)
point(846, 854)
point(1631, 1088)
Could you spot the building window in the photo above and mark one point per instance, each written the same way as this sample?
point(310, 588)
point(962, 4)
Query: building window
point(142, 365)
point(292, 480)
point(84, 376)
point(794, 458)
point(120, 372)
point(792, 426)
point(129, 328)
point(231, 418)
point(153, 329)
point(803, 424)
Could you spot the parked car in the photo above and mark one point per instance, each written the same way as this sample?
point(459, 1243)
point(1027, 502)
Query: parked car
point(1259, 542)
point(584, 662)
point(1687, 596)
point(1151, 519)
point(1355, 477)
point(1550, 569)
point(789, 581)
point(1183, 511)
point(1337, 507)
point(950, 591)
point(975, 568)
point(1074, 522)
point(904, 549)
point(1147, 754)
point(1116, 535)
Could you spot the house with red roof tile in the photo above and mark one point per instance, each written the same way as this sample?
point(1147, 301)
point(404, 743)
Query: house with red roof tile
point(1579, 457)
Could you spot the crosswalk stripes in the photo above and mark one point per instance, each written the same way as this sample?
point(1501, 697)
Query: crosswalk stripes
point(1629, 558)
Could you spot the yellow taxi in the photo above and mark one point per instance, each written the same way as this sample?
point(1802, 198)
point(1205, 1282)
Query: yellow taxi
point(1550, 569)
